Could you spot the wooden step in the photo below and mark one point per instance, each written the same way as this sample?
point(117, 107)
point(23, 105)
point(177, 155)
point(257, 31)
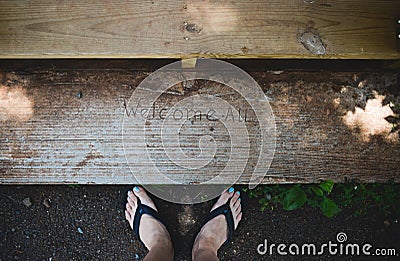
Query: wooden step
point(346, 29)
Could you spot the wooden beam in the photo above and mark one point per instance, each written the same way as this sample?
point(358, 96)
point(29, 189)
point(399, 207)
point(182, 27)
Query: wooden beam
point(65, 126)
point(349, 29)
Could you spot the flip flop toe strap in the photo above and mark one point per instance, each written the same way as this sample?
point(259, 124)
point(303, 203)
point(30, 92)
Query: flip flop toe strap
point(226, 211)
point(143, 209)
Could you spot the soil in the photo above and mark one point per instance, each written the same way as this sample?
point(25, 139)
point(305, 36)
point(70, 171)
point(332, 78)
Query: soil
point(88, 223)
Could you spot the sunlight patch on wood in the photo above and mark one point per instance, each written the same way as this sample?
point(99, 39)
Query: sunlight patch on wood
point(15, 104)
point(208, 14)
point(371, 120)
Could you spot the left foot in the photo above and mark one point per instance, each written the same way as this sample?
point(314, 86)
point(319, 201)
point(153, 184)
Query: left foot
point(151, 230)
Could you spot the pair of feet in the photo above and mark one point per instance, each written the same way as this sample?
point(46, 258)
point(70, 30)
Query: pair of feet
point(156, 236)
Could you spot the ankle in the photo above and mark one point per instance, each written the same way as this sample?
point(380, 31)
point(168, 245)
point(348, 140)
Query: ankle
point(207, 244)
point(161, 250)
point(160, 241)
point(203, 254)
point(167, 249)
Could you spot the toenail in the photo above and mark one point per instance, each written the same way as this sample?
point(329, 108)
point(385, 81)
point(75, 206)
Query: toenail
point(129, 192)
point(136, 189)
point(238, 192)
point(239, 199)
point(231, 190)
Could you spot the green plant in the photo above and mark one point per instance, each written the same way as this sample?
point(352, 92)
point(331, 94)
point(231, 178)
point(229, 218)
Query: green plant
point(384, 198)
point(360, 197)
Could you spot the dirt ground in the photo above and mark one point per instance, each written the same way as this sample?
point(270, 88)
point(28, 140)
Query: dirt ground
point(87, 223)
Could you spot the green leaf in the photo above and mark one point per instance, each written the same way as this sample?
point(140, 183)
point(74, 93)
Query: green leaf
point(329, 208)
point(294, 198)
point(326, 185)
point(317, 191)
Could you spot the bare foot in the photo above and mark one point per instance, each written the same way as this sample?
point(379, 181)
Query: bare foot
point(151, 231)
point(215, 232)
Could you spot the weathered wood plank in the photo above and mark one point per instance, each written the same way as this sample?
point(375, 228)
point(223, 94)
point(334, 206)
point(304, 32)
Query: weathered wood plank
point(213, 29)
point(66, 127)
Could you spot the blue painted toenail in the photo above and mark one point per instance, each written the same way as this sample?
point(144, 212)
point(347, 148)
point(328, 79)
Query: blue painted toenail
point(238, 192)
point(136, 189)
point(231, 190)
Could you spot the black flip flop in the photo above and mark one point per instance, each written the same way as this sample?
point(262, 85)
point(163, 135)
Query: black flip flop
point(140, 210)
point(227, 212)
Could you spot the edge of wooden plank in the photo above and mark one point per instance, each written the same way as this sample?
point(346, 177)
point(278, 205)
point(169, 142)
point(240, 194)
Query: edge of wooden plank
point(388, 56)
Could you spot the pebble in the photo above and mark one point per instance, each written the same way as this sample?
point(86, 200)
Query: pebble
point(46, 203)
point(80, 230)
point(277, 72)
point(27, 202)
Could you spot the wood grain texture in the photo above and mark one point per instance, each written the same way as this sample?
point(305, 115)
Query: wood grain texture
point(181, 29)
point(66, 127)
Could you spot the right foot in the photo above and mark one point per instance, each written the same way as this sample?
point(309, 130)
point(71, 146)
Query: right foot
point(151, 231)
point(215, 232)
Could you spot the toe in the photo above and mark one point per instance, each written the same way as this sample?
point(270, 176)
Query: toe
point(235, 204)
point(131, 202)
point(238, 209)
point(234, 199)
point(127, 215)
point(144, 198)
point(238, 218)
point(132, 196)
point(225, 196)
